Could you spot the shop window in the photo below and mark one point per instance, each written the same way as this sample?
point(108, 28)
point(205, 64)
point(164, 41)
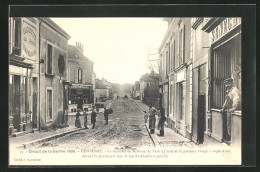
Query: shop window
point(49, 105)
point(49, 59)
point(226, 62)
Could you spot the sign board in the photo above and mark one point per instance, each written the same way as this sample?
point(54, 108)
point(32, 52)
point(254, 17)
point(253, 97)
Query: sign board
point(181, 76)
point(29, 45)
point(80, 86)
point(225, 27)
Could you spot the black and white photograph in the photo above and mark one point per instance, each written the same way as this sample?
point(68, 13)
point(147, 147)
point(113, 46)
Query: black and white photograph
point(125, 90)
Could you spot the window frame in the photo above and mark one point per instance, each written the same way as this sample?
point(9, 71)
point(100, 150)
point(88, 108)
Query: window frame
point(47, 59)
point(47, 118)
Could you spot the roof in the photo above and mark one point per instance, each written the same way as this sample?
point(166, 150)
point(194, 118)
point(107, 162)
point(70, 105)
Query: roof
point(75, 54)
point(99, 84)
point(56, 27)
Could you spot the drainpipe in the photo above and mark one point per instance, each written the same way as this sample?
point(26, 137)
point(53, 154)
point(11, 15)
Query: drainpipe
point(40, 74)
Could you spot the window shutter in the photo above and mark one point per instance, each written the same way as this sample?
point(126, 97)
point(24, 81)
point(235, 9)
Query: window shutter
point(183, 44)
point(76, 75)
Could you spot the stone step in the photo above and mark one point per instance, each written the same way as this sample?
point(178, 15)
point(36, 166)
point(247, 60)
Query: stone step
point(17, 134)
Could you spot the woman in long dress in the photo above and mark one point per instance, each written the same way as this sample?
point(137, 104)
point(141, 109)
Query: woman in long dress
point(152, 119)
point(162, 119)
point(77, 121)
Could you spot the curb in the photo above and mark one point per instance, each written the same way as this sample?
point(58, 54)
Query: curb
point(156, 143)
point(48, 138)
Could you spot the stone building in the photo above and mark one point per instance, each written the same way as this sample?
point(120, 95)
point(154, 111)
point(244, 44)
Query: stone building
point(102, 90)
point(176, 75)
point(37, 73)
point(224, 61)
point(52, 85)
point(81, 77)
point(197, 55)
point(23, 74)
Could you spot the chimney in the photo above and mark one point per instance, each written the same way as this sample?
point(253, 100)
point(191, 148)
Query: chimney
point(79, 47)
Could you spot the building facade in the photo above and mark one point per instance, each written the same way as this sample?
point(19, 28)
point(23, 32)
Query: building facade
point(80, 76)
point(37, 73)
point(103, 90)
point(197, 55)
point(53, 55)
point(224, 61)
point(23, 74)
point(176, 75)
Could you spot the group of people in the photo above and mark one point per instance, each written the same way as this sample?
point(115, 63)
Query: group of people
point(93, 117)
point(150, 115)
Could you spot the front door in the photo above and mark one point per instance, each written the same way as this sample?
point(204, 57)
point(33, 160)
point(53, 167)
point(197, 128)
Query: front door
point(35, 94)
point(16, 103)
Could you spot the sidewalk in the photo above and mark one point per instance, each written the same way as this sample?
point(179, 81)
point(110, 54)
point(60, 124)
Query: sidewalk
point(169, 135)
point(39, 137)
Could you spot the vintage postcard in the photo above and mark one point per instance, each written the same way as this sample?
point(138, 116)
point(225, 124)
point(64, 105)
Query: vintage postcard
point(125, 91)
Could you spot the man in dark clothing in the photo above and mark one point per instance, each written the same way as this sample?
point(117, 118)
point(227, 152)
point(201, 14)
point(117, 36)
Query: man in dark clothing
point(93, 118)
point(162, 119)
point(106, 115)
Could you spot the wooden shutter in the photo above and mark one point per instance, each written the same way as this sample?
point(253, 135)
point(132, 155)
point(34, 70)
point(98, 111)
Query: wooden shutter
point(76, 76)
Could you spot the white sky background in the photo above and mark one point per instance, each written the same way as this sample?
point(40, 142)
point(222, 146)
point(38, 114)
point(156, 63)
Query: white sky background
point(117, 46)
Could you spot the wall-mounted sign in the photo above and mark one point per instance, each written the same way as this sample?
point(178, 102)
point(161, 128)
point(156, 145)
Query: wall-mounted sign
point(80, 86)
point(181, 76)
point(29, 40)
point(225, 27)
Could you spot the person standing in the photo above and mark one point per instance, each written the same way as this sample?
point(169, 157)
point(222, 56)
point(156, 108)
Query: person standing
point(152, 119)
point(232, 103)
point(85, 119)
point(162, 119)
point(93, 118)
point(106, 115)
point(77, 121)
point(145, 116)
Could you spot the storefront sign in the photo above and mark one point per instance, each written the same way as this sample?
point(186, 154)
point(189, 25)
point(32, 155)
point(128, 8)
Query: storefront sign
point(181, 76)
point(80, 86)
point(29, 40)
point(224, 27)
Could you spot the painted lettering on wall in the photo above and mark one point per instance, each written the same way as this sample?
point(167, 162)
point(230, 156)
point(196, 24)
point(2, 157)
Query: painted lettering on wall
point(29, 41)
point(224, 27)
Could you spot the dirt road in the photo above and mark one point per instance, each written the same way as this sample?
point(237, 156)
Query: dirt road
point(125, 129)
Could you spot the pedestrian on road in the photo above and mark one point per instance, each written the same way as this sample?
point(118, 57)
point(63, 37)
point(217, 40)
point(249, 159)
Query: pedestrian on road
point(77, 121)
point(66, 114)
point(93, 118)
point(85, 119)
point(162, 119)
point(232, 103)
point(106, 115)
point(152, 119)
point(145, 117)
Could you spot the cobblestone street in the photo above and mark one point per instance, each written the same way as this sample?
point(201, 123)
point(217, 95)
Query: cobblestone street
point(125, 129)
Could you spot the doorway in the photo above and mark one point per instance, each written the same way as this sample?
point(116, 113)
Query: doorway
point(16, 102)
point(35, 99)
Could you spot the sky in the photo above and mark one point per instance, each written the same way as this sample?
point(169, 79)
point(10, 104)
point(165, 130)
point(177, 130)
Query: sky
point(119, 47)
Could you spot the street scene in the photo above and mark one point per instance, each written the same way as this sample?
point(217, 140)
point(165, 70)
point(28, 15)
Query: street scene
point(177, 90)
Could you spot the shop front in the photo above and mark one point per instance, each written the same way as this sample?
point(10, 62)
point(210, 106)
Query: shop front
point(20, 95)
point(80, 97)
point(225, 62)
